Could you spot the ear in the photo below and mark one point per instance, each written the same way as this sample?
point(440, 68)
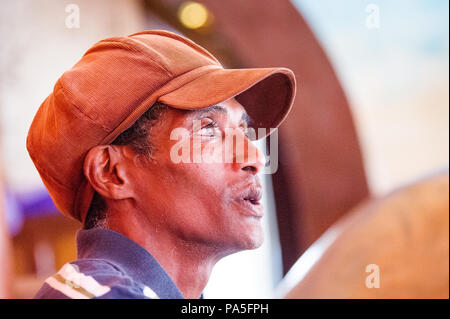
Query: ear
point(105, 167)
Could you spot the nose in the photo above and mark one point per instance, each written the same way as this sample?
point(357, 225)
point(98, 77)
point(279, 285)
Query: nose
point(249, 157)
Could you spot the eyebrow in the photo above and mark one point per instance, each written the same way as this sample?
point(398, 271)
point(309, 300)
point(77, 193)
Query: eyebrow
point(220, 109)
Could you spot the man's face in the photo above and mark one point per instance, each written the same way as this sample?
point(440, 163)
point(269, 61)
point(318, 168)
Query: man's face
point(215, 201)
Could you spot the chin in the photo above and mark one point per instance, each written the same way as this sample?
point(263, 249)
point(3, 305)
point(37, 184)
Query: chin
point(251, 240)
point(241, 236)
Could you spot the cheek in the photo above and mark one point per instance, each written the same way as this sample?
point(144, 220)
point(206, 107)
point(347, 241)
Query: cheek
point(197, 165)
point(196, 149)
point(202, 189)
point(201, 182)
point(213, 151)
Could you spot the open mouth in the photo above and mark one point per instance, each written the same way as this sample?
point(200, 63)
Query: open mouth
point(251, 201)
point(253, 195)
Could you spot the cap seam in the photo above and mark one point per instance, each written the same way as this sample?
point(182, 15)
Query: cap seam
point(161, 66)
point(177, 37)
point(124, 42)
point(66, 92)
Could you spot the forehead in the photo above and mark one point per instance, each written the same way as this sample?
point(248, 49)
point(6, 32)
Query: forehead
point(230, 109)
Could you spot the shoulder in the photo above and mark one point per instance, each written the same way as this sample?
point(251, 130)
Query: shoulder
point(92, 278)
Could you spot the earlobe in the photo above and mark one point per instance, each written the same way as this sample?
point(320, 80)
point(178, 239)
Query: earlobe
point(104, 168)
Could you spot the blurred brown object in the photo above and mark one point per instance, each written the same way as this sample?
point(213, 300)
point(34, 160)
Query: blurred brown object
point(4, 249)
point(5, 259)
point(42, 247)
point(404, 236)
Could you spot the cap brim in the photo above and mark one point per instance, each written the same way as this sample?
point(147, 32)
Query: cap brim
point(267, 94)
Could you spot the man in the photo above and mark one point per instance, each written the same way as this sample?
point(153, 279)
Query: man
point(121, 145)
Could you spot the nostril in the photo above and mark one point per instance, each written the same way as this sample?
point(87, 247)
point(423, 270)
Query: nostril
point(249, 168)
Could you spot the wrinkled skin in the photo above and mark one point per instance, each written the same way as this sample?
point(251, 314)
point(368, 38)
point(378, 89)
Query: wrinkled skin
point(187, 215)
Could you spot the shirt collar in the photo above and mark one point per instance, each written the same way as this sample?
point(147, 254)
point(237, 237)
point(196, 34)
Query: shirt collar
point(132, 258)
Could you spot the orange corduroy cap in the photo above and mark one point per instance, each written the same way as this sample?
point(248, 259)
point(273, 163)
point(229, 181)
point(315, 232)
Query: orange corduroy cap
point(120, 78)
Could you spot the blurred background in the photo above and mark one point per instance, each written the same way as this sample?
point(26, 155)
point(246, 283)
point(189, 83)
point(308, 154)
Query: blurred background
point(369, 128)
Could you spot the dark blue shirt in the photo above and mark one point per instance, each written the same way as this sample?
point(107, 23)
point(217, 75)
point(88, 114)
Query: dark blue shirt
point(110, 265)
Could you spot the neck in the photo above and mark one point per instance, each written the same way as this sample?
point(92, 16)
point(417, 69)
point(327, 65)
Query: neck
point(188, 264)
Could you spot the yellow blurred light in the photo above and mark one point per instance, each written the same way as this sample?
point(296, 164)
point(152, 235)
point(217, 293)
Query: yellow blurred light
point(193, 15)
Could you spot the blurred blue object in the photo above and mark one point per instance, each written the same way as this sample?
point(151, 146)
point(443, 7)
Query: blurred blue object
point(13, 213)
point(21, 206)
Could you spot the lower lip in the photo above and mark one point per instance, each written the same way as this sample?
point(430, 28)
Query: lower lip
point(250, 209)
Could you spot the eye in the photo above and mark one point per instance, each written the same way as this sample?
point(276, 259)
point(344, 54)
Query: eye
point(209, 130)
point(245, 129)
